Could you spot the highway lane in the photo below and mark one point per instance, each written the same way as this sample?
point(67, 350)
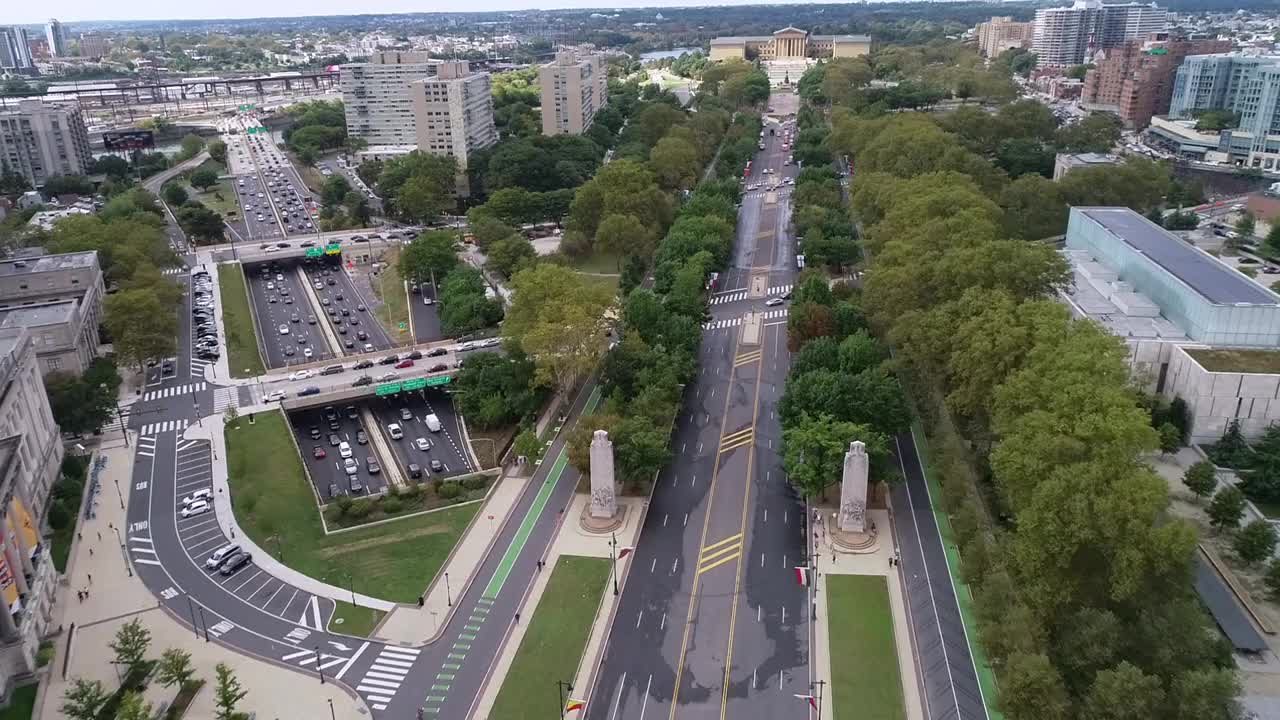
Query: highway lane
point(254, 204)
point(329, 470)
point(717, 627)
point(446, 444)
point(426, 318)
point(285, 349)
point(338, 288)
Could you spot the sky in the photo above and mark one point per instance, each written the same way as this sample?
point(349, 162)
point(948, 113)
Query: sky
point(71, 11)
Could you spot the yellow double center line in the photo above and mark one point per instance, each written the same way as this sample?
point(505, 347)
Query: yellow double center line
point(717, 554)
point(738, 439)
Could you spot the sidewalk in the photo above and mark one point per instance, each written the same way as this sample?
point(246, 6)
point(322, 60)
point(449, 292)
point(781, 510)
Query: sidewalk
point(115, 598)
point(571, 540)
point(875, 562)
point(418, 625)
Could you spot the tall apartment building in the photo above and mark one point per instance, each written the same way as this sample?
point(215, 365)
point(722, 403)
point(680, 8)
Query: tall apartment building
point(1135, 79)
point(1002, 33)
point(58, 299)
point(453, 114)
point(39, 140)
point(57, 37)
point(1246, 85)
point(25, 411)
point(1070, 35)
point(93, 45)
point(574, 89)
point(15, 50)
point(379, 104)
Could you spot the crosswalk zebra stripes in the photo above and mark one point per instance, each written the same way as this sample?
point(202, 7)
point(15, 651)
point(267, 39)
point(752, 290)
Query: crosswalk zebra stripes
point(197, 368)
point(385, 675)
point(174, 391)
point(225, 397)
point(165, 426)
point(735, 321)
point(184, 270)
point(729, 297)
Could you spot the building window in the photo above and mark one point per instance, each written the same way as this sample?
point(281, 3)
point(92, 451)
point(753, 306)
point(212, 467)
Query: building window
point(55, 364)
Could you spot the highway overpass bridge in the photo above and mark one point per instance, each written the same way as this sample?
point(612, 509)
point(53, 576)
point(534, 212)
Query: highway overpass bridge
point(343, 392)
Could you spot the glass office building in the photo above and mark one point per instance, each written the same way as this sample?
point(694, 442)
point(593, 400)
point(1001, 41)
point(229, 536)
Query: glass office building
point(1212, 303)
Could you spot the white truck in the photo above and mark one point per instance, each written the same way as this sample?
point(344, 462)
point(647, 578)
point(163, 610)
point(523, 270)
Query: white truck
point(433, 423)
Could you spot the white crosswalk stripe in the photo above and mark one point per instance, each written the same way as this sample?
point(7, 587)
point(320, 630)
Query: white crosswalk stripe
point(735, 321)
point(176, 271)
point(197, 368)
point(225, 397)
point(729, 297)
point(166, 426)
point(779, 289)
point(174, 391)
point(386, 674)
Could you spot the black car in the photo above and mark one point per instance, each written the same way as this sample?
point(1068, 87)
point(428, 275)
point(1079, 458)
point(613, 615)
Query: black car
point(362, 380)
point(235, 562)
point(355, 485)
point(416, 355)
point(352, 413)
point(333, 490)
point(362, 364)
point(313, 390)
point(441, 367)
point(389, 360)
point(437, 352)
point(332, 370)
point(415, 470)
point(436, 466)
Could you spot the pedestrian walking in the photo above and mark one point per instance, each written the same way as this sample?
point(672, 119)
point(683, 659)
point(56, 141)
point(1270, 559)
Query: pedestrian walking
point(79, 535)
point(90, 578)
point(99, 536)
point(517, 618)
point(90, 552)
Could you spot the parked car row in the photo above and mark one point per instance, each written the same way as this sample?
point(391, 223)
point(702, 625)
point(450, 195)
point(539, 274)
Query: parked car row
point(204, 325)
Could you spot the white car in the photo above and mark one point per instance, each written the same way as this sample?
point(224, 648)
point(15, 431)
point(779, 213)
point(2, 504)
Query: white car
point(489, 343)
point(284, 329)
point(201, 495)
point(301, 374)
point(275, 395)
point(350, 466)
point(306, 353)
point(774, 301)
point(344, 449)
point(464, 347)
point(427, 301)
point(422, 444)
point(199, 507)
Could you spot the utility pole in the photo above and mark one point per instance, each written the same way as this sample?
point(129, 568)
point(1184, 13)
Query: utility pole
point(319, 669)
point(820, 684)
point(448, 594)
point(561, 688)
point(613, 560)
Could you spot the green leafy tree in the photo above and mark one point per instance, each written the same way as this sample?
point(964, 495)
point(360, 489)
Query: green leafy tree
point(334, 191)
point(131, 643)
point(175, 668)
point(527, 443)
point(624, 235)
point(1201, 479)
point(218, 151)
point(814, 449)
point(806, 321)
point(511, 254)
point(141, 327)
point(1231, 450)
point(1098, 132)
point(1124, 692)
point(1255, 542)
point(1246, 225)
point(1226, 508)
point(1272, 578)
point(676, 162)
point(133, 707)
point(429, 257)
point(83, 699)
point(227, 692)
point(558, 318)
point(1207, 692)
point(1272, 242)
point(1170, 438)
point(201, 222)
point(79, 405)
point(1032, 688)
point(191, 146)
point(174, 194)
point(203, 179)
point(67, 184)
point(494, 389)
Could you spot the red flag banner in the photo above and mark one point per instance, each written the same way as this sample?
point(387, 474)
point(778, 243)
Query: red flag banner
point(623, 552)
point(813, 702)
point(802, 575)
point(574, 705)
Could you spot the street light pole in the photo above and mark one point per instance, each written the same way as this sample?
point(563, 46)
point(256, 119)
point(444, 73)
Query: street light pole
point(613, 560)
point(448, 594)
point(820, 685)
point(561, 688)
point(124, 552)
point(331, 715)
point(319, 669)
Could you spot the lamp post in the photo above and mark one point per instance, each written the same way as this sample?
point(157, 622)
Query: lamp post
point(123, 551)
point(613, 560)
point(561, 688)
point(448, 594)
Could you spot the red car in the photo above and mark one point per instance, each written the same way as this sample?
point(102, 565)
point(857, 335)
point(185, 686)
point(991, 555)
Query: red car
point(317, 452)
point(407, 363)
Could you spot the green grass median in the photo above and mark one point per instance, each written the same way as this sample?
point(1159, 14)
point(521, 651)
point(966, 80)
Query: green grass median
point(243, 357)
point(556, 638)
point(393, 308)
point(866, 683)
point(275, 505)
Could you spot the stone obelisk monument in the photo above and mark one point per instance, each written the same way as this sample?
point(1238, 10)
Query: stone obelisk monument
point(853, 488)
point(604, 501)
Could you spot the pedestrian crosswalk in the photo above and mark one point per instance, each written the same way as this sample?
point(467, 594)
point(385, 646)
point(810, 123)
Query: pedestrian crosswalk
point(184, 270)
point(174, 391)
point(783, 191)
point(735, 321)
point(728, 297)
point(384, 676)
point(225, 397)
point(165, 426)
point(197, 368)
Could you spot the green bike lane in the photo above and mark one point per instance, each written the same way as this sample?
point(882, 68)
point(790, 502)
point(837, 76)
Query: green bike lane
point(456, 666)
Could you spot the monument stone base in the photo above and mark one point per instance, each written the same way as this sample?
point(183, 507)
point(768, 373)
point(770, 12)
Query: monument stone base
point(602, 526)
point(857, 543)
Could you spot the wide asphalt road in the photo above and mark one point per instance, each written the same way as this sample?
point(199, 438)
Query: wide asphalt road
point(278, 298)
point(716, 626)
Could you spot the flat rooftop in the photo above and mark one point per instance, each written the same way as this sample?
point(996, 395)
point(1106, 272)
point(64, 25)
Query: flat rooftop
point(1237, 360)
point(54, 313)
point(1211, 279)
point(48, 263)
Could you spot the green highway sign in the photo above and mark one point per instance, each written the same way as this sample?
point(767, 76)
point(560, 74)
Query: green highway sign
point(439, 380)
point(387, 389)
point(314, 252)
point(414, 384)
point(333, 249)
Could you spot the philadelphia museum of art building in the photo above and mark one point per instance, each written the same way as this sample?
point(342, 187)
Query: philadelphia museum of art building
point(789, 44)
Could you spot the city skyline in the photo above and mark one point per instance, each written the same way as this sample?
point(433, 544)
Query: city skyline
point(84, 11)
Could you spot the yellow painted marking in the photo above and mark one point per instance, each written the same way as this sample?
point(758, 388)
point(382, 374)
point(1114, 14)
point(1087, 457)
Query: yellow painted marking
point(726, 447)
point(737, 435)
point(745, 358)
point(718, 563)
point(717, 544)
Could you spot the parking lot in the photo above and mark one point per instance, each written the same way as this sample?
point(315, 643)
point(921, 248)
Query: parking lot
point(315, 431)
point(204, 325)
point(200, 535)
point(444, 445)
point(286, 318)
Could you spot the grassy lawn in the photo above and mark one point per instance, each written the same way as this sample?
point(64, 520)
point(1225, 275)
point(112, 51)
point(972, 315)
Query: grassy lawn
point(275, 505)
point(1243, 361)
point(607, 281)
point(865, 679)
point(242, 342)
point(347, 512)
point(352, 620)
point(605, 263)
point(392, 309)
point(557, 634)
point(220, 198)
point(21, 705)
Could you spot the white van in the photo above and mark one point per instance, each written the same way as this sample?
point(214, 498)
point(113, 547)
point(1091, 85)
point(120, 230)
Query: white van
point(433, 423)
